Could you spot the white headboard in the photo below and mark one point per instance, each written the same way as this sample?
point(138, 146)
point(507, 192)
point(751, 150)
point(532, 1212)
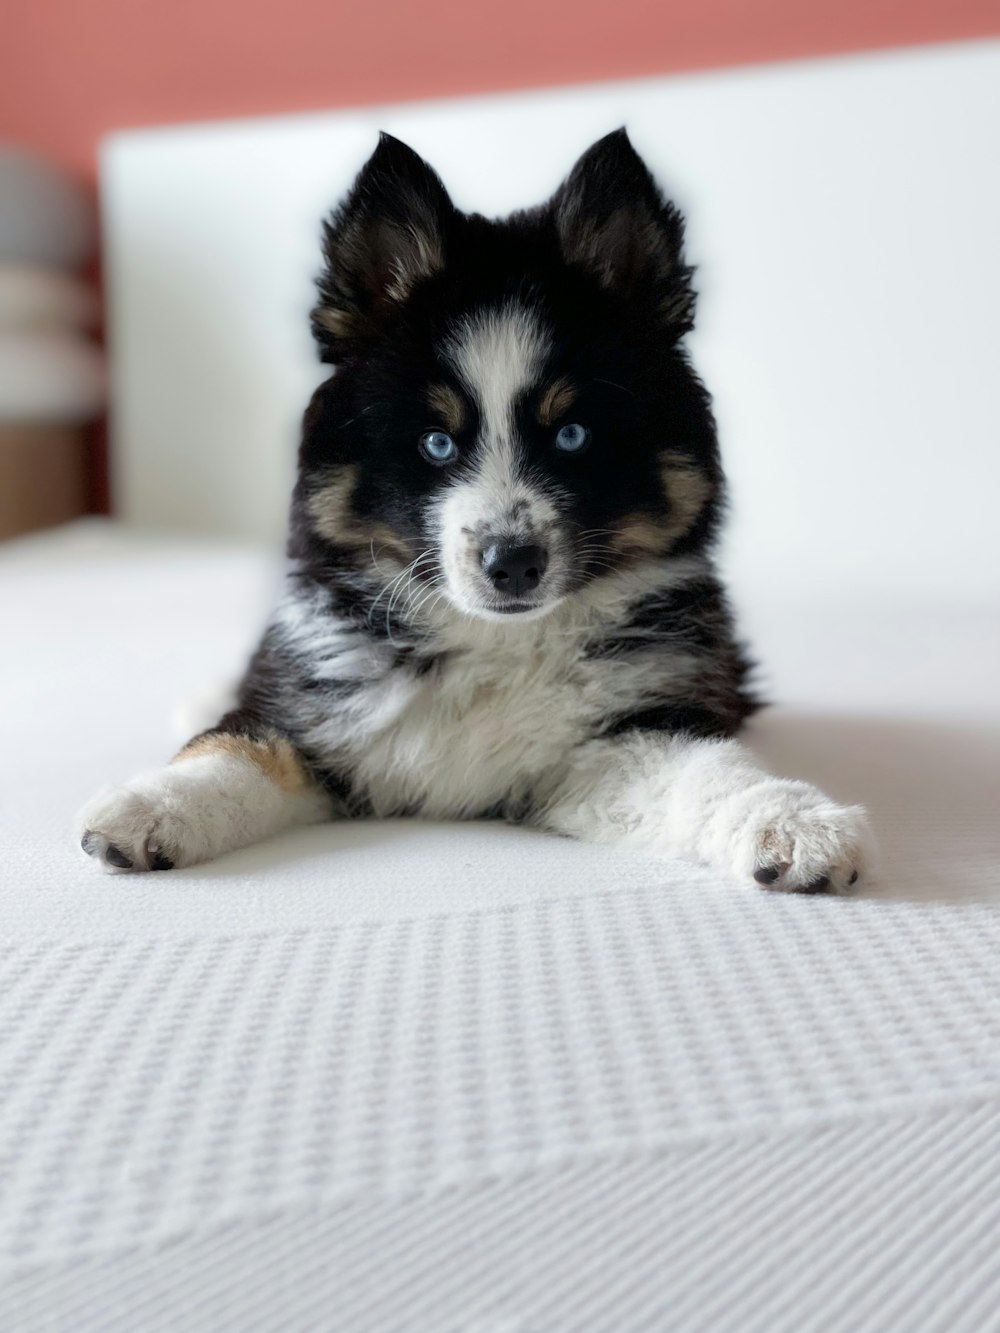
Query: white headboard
point(845, 215)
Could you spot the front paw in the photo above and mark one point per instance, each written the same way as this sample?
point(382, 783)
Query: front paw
point(795, 839)
point(128, 830)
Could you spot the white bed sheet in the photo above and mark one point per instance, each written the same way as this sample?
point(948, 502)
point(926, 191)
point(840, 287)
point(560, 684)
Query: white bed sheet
point(416, 1076)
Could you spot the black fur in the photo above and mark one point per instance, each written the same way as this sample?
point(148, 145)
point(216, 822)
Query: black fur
point(602, 266)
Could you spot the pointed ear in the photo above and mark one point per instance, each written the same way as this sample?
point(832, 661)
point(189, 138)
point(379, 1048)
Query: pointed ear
point(388, 234)
point(612, 220)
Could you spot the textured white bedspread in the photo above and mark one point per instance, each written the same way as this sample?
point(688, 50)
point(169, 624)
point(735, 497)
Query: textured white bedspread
point(429, 1077)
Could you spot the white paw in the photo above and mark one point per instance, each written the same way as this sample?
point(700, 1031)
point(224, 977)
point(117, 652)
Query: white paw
point(192, 811)
point(793, 838)
point(135, 828)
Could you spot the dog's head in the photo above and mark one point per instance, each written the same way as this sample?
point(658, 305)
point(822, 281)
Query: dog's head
point(512, 416)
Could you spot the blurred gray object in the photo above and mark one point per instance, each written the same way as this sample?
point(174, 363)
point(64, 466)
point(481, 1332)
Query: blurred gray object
point(49, 376)
point(35, 297)
point(51, 373)
point(45, 218)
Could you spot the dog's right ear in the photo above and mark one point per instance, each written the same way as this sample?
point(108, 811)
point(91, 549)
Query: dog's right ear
point(389, 234)
point(613, 221)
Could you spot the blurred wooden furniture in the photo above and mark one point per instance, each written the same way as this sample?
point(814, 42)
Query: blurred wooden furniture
point(42, 476)
point(51, 366)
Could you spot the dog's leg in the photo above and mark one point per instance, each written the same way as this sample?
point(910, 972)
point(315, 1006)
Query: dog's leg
point(227, 788)
point(709, 801)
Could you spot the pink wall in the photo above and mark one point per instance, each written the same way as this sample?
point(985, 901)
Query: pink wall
point(72, 70)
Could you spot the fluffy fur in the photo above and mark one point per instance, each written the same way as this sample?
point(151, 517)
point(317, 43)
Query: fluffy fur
point(501, 597)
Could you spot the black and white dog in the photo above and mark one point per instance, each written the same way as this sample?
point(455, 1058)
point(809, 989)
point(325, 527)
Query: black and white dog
point(501, 599)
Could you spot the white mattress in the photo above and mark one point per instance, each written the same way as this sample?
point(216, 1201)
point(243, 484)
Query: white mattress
point(430, 1077)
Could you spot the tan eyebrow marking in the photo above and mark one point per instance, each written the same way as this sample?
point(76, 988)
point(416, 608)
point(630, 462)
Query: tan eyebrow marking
point(557, 399)
point(447, 405)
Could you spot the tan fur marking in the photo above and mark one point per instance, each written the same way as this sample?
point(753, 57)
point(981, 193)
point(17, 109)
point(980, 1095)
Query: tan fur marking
point(275, 757)
point(447, 406)
point(687, 490)
point(557, 399)
point(338, 322)
point(639, 535)
point(334, 519)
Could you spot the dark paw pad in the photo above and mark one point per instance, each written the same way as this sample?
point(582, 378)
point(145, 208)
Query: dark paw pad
point(94, 845)
point(766, 874)
point(160, 862)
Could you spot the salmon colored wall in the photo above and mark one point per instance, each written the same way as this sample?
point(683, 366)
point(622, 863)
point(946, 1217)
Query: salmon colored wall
point(72, 69)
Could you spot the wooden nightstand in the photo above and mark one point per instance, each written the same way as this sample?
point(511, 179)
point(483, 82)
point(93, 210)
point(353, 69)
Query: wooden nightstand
point(42, 476)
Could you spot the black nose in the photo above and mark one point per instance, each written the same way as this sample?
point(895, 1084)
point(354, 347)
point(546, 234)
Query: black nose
point(514, 569)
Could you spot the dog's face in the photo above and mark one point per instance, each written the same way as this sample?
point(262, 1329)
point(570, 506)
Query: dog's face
point(512, 417)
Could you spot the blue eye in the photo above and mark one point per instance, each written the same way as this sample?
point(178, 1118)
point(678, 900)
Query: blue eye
point(572, 438)
point(438, 447)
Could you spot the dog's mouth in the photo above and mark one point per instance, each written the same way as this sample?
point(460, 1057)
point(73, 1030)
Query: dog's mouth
point(486, 603)
point(514, 610)
point(510, 611)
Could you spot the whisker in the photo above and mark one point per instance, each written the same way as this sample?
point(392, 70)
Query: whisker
point(403, 589)
point(393, 587)
point(432, 595)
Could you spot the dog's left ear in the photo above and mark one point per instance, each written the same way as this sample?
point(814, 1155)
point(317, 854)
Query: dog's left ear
point(613, 221)
point(389, 234)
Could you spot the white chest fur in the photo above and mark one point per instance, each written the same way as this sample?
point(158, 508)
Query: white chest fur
point(498, 712)
point(485, 724)
point(493, 721)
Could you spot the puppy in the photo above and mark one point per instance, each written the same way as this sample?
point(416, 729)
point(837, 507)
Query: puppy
point(501, 600)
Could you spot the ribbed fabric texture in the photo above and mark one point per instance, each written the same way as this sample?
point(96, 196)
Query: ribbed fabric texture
point(405, 1078)
point(659, 1064)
